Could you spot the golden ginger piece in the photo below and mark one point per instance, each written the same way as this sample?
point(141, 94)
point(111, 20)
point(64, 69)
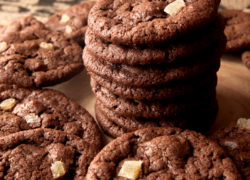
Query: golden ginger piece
point(130, 169)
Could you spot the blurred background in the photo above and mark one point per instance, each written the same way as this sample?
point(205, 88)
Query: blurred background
point(42, 9)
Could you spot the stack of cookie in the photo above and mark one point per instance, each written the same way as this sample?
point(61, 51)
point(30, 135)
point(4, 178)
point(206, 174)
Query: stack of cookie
point(237, 32)
point(154, 63)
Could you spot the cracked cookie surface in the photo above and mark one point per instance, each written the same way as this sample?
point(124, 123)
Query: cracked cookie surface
point(33, 56)
point(164, 153)
point(31, 109)
point(145, 22)
point(72, 22)
point(44, 154)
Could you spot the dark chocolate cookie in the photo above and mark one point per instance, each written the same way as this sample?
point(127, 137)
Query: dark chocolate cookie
point(161, 53)
point(33, 56)
point(246, 59)
point(44, 154)
point(148, 76)
point(235, 139)
point(72, 22)
point(158, 92)
point(115, 125)
point(237, 30)
point(22, 109)
point(149, 22)
point(154, 109)
point(162, 153)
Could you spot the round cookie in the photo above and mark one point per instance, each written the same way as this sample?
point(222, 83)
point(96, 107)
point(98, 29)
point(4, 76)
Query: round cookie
point(149, 76)
point(22, 109)
point(246, 59)
point(162, 153)
point(158, 54)
point(154, 109)
point(72, 22)
point(145, 22)
point(235, 139)
point(237, 30)
point(170, 90)
point(33, 56)
point(115, 125)
point(44, 154)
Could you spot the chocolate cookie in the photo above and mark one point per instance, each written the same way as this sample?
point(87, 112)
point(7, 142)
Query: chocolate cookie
point(33, 56)
point(235, 139)
point(153, 109)
point(246, 59)
point(72, 22)
point(148, 76)
point(149, 22)
point(237, 30)
point(44, 154)
point(161, 53)
point(162, 153)
point(115, 125)
point(22, 109)
point(170, 90)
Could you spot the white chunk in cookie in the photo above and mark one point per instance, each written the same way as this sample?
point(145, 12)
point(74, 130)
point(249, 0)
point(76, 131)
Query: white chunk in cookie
point(174, 7)
point(130, 169)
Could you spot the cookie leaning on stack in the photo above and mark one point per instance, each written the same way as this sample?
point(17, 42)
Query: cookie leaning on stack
point(154, 62)
point(162, 153)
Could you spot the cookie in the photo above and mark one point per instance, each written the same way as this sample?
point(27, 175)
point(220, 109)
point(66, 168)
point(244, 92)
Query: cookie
point(44, 154)
point(33, 56)
point(162, 153)
point(148, 76)
point(237, 30)
point(149, 22)
point(170, 90)
point(115, 125)
point(154, 109)
point(158, 54)
point(235, 139)
point(22, 109)
point(72, 22)
point(246, 59)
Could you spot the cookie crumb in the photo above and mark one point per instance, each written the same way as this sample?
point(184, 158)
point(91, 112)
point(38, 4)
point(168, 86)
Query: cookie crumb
point(68, 29)
point(3, 46)
point(8, 104)
point(64, 19)
point(45, 45)
point(58, 169)
point(231, 145)
point(174, 7)
point(32, 118)
point(243, 123)
point(130, 169)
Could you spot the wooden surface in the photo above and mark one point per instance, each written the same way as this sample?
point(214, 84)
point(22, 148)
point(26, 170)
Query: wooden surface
point(233, 91)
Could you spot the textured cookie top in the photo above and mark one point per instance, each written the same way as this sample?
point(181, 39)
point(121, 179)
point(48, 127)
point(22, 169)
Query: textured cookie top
point(33, 56)
point(162, 153)
point(237, 30)
point(236, 141)
point(44, 154)
point(72, 22)
point(22, 109)
point(161, 53)
point(149, 22)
